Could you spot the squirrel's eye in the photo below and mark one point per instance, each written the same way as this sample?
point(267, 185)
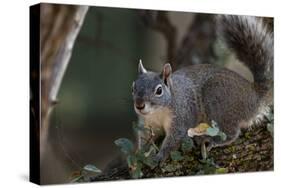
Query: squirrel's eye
point(158, 90)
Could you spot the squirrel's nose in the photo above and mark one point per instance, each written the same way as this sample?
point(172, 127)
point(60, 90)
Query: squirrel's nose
point(139, 104)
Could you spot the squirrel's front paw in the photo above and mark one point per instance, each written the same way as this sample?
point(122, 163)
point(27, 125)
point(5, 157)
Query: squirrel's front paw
point(156, 160)
point(159, 159)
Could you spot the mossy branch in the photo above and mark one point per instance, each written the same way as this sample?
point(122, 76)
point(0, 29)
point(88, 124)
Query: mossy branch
point(253, 151)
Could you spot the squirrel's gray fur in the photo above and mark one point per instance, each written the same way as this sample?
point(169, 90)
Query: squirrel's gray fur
point(202, 93)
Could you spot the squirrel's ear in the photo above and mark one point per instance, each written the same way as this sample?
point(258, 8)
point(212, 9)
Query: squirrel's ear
point(141, 69)
point(166, 72)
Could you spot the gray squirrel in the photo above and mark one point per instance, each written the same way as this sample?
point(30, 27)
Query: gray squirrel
point(176, 101)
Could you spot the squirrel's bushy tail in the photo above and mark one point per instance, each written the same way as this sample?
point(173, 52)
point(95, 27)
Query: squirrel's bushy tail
point(252, 43)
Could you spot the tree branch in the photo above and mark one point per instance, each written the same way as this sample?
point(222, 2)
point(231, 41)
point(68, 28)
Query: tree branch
point(253, 151)
point(160, 22)
point(197, 45)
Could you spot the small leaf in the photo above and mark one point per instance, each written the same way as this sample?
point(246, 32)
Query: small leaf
point(136, 172)
point(140, 154)
point(92, 168)
point(212, 131)
point(125, 144)
point(222, 135)
point(187, 144)
point(176, 156)
point(131, 160)
point(150, 162)
point(221, 170)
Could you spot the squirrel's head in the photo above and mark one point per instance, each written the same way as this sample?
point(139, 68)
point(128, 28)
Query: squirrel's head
point(152, 91)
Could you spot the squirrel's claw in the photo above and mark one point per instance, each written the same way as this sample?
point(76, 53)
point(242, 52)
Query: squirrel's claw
point(156, 160)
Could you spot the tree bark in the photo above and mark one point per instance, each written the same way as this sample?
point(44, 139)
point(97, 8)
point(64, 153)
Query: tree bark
point(59, 27)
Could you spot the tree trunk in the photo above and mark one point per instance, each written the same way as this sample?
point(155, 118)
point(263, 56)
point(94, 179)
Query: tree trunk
point(59, 27)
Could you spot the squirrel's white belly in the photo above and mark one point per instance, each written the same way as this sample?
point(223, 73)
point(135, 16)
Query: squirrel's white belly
point(160, 119)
